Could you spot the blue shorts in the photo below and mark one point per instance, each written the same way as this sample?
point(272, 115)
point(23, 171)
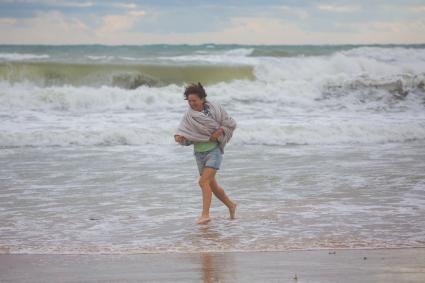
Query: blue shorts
point(211, 159)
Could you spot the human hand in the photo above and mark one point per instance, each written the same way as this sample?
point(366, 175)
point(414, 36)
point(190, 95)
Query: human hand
point(179, 139)
point(216, 135)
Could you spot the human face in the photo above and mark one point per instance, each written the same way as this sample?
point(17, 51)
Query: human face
point(195, 102)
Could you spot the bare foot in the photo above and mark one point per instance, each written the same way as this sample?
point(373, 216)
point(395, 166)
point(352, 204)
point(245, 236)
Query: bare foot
point(232, 211)
point(203, 220)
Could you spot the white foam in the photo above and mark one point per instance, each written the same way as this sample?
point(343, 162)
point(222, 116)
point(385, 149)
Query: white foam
point(337, 67)
point(342, 98)
point(395, 54)
point(26, 96)
point(328, 131)
point(22, 56)
point(101, 58)
point(233, 57)
point(107, 136)
point(38, 129)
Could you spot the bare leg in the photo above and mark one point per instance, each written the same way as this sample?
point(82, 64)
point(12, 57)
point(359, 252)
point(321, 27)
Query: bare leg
point(204, 182)
point(221, 195)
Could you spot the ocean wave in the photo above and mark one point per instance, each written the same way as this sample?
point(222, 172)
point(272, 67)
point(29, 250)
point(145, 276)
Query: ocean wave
point(102, 58)
point(124, 76)
point(213, 66)
point(359, 94)
point(346, 97)
point(27, 96)
point(335, 67)
point(385, 54)
point(329, 131)
point(238, 56)
point(76, 137)
point(87, 131)
point(22, 57)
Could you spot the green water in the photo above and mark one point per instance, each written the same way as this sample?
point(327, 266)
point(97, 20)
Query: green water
point(150, 65)
point(126, 76)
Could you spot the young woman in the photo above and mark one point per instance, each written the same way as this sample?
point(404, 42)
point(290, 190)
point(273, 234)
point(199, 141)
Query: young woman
point(208, 127)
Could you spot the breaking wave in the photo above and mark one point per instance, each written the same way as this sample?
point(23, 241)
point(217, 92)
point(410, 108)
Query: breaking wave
point(125, 76)
point(360, 95)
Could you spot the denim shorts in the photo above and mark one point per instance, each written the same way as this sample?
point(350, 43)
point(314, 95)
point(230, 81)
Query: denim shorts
point(211, 159)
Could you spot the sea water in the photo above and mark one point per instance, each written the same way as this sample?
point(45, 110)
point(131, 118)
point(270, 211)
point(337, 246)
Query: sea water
point(328, 152)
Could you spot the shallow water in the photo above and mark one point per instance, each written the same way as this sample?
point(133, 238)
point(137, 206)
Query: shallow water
point(128, 199)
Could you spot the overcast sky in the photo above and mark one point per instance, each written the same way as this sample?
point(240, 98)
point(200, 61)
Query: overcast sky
point(219, 21)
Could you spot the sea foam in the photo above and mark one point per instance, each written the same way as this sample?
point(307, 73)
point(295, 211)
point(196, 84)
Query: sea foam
point(354, 96)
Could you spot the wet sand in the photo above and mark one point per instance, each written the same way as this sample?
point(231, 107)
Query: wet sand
point(384, 265)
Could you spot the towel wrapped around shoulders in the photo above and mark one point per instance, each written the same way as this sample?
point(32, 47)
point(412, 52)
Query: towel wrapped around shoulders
point(196, 126)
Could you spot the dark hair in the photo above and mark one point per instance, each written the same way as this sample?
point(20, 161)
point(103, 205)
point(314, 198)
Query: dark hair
point(197, 89)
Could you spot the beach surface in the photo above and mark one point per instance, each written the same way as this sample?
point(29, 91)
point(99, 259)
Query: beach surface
point(380, 265)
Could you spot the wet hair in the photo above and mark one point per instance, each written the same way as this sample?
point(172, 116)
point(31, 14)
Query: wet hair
point(197, 89)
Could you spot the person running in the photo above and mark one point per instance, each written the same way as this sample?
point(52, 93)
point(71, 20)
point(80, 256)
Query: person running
point(209, 128)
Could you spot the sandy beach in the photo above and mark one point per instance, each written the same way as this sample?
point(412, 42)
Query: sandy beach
point(382, 265)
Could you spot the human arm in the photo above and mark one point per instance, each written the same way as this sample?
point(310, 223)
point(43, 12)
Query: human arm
point(182, 140)
point(216, 135)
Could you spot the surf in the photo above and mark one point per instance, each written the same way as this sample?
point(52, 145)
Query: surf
point(130, 76)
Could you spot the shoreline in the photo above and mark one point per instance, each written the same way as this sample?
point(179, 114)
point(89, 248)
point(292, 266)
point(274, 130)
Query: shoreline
point(331, 265)
point(171, 252)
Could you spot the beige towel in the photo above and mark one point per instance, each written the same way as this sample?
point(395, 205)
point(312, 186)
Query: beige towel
point(196, 126)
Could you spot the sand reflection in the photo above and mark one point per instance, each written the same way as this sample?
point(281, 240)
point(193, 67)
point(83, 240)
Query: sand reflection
point(217, 267)
point(214, 266)
point(210, 271)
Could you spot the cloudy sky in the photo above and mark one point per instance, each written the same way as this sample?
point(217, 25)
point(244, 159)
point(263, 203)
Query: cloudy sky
point(218, 21)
